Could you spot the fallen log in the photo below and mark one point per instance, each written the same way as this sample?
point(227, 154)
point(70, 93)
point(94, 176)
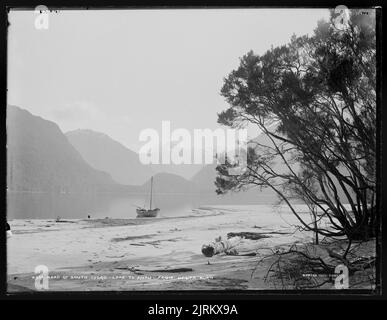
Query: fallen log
point(172, 270)
point(137, 270)
point(247, 235)
point(220, 246)
point(247, 254)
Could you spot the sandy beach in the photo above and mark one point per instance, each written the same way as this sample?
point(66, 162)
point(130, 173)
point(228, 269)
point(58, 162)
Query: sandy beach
point(150, 254)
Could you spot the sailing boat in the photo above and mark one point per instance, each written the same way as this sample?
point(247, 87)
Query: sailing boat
point(144, 213)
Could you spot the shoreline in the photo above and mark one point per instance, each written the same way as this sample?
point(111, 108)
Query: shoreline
point(148, 254)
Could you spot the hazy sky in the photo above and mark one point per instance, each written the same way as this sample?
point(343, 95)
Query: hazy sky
point(122, 71)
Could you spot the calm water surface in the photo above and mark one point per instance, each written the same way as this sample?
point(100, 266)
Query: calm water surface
point(79, 206)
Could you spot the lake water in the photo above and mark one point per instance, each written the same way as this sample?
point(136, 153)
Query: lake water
point(79, 206)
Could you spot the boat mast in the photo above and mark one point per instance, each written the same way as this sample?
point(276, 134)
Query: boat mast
point(150, 204)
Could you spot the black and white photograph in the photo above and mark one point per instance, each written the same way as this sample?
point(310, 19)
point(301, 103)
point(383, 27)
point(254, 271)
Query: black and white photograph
point(193, 149)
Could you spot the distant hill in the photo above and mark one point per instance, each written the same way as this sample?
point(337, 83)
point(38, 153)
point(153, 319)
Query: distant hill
point(170, 183)
point(186, 171)
point(40, 158)
point(103, 153)
point(205, 178)
point(205, 182)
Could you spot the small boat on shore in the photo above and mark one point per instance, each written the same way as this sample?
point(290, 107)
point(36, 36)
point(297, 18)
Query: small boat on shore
point(148, 213)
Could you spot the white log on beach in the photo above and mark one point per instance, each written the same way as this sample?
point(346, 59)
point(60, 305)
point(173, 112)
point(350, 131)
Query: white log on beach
point(220, 246)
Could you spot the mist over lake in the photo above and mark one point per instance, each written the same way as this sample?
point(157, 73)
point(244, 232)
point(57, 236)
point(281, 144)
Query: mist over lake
point(79, 206)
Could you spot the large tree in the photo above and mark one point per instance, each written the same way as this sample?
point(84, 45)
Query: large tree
point(314, 100)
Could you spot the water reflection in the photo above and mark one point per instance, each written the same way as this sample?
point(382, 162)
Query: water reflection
point(79, 206)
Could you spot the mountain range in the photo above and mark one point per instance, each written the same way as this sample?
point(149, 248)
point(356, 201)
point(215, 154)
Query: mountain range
point(105, 154)
point(40, 158)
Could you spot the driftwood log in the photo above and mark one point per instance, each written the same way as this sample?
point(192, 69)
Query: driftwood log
point(220, 246)
point(247, 235)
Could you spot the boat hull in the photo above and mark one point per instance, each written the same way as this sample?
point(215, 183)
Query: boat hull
point(143, 213)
